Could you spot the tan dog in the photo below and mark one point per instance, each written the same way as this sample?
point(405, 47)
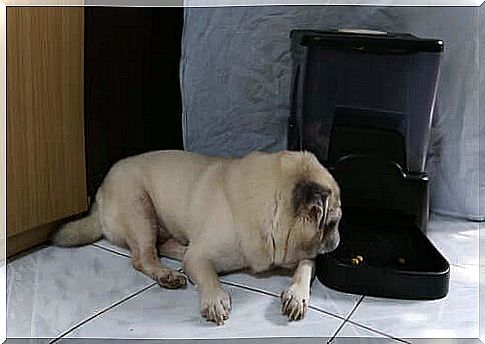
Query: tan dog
point(217, 215)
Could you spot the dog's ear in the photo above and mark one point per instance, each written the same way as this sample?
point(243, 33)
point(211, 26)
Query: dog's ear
point(311, 199)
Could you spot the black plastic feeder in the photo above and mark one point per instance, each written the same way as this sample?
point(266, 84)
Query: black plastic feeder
point(362, 102)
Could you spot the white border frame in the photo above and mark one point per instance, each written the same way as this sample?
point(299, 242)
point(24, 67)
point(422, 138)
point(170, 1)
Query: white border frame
point(188, 3)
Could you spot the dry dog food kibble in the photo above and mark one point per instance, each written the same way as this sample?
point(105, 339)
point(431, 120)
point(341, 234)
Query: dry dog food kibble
point(357, 260)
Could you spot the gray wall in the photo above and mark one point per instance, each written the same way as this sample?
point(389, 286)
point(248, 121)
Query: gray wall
point(236, 70)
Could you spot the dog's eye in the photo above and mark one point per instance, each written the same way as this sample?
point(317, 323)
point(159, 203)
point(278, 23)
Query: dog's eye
point(332, 223)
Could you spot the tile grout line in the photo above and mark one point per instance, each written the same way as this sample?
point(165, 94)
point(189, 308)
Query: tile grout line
point(242, 286)
point(127, 255)
point(346, 319)
point(267, 293)
point(256, 290)
point(377, 331)
point(78, 325)
point(364, 326)
point(275, 295)
point(110, 250)
point(234, 284)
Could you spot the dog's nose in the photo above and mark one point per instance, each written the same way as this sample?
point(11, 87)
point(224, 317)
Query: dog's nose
point(331, 242)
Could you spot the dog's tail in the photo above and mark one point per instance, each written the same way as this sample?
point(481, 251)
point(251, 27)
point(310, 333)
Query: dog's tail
point(79, 232)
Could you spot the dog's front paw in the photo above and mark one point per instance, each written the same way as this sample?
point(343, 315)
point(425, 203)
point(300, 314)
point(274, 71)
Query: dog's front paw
point(295, 302)
point(215, 306)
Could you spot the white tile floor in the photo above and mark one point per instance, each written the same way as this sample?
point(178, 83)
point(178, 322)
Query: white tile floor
point(94, 292)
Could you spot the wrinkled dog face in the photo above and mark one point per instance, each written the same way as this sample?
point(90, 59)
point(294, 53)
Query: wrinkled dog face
point(317, 215)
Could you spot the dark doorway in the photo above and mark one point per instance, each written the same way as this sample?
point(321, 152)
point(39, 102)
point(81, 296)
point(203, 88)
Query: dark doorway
point(132, 91)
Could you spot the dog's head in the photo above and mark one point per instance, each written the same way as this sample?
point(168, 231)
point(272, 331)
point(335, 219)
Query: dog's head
point(316, 218)
point(316, 213)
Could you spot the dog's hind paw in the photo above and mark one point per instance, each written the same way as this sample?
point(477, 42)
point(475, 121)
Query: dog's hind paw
point(215, 306)
point(171, 279)
point(295, 302)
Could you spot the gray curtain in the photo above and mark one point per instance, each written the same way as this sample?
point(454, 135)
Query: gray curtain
point(235, 81)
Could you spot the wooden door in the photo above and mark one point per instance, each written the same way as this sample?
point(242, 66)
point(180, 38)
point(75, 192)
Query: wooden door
point(46, 177)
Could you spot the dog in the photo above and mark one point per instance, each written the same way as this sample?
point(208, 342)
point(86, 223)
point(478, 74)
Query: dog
point(217, 215)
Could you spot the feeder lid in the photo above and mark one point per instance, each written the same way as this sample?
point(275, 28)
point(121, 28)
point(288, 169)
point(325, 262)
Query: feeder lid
point(367, 40)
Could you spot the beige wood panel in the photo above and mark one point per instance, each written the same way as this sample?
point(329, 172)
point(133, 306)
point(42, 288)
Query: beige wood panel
point(33, 237)
point(44, 2)
point(45, 120)
point(3, 134)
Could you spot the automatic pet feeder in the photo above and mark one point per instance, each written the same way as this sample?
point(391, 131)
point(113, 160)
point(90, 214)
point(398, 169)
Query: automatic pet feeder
point(362, 102)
